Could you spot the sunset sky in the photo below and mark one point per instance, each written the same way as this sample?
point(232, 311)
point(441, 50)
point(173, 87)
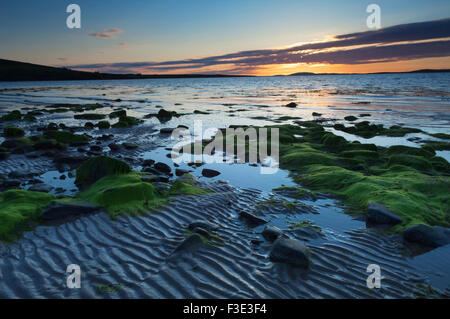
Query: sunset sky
point(228, 36)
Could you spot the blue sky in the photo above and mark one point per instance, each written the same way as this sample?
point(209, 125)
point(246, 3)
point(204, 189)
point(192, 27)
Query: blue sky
point(35, 31)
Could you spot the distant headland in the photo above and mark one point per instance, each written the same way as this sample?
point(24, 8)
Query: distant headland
point(22, 71)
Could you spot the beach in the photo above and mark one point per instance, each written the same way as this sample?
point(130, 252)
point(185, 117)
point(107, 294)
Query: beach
point(161, 252)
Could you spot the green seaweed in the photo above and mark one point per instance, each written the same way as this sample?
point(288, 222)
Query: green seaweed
point(126, 121)
point(411, 182)
point(97, 167)
point(103, 125)
point(12, 116)
point(67, 137)
point(18, 208)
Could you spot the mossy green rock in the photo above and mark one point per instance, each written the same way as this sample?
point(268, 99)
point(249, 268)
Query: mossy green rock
point(124, 194)
point(67, 137)
point(12, 116)
point(12, 131)
point(18, 208)
point(97, 167)
point(103, 125)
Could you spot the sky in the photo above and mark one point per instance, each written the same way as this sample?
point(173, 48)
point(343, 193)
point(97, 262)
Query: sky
point(264, 37)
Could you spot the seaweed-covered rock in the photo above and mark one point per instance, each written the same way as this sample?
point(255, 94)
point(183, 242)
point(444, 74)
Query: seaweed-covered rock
point(12, 116)
point(103, 125)
point(350, 118)
point(379, 214)
point(97, 167)
point(12, 131)
point(429, 236)
point(18, 208)
point(126, 121)
point(290, 251)
point(117, 114)
point(67, 137)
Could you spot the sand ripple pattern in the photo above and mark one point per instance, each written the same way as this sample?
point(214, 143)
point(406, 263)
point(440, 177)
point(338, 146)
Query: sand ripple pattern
point(134, 251)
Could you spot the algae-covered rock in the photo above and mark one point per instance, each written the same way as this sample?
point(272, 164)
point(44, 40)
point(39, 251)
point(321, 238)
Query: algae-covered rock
point(67, 137)
point(123, 194)
point(12, 131)
point(117, 114)
point(103, 125)
point(12, 116)
point(97, 167)
point(126, 121)
point(18, 208)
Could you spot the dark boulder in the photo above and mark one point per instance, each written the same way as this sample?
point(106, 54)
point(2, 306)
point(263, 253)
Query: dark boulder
point(203, 224)
point(292, 104)
point(162, 167)
point(181, 172)
point(378, 214)
point(252, 219)
point(290, 251)
point(271, 233)
point(55, 211)
point(428, 236)
point(210, 172)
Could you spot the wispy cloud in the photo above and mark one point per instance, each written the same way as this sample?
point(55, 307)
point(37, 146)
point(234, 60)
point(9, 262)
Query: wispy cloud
point(107, 33)
point(124, 45)
point(397, 43)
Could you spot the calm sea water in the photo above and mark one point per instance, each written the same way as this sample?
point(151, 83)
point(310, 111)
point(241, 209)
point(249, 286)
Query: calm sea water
point(412, 99)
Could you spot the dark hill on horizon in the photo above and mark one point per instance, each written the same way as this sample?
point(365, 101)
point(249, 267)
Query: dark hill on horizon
point(22, 71)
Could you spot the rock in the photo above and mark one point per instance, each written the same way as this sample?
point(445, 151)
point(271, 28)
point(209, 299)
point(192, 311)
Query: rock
point(12, 132)
point(166, 130)
point(210, 173)
point(201, 231)
point(4, 155)
point(41, 187)
point(18, 174)
point(148, 162)
point(290, 251)
point(10, 183)
point(164, 168)
point(252, 219)
point(69, 159)
point(96, 148)
point(89, 125)
point(55, 211)
point(114, 147)
point(130, 146)
point(97, 167)
point(429, 236)
point(292, 104)
point(52, 127)
point(203, 224)
point(379, 214)
point(180, 172)
point(271, 233)
point(189, 244)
